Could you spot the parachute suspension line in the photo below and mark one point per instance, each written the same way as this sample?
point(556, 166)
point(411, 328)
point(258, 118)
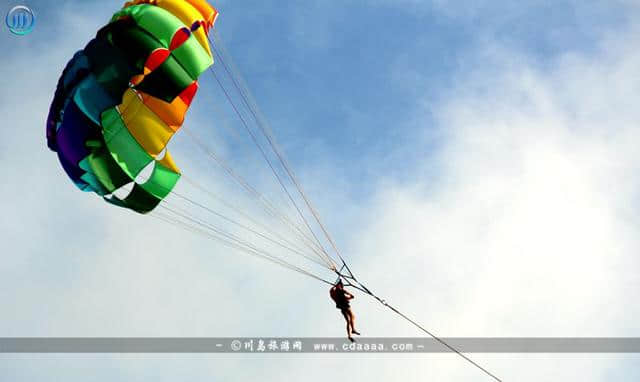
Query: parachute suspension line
point(266, 158)
point(262, 124)
point(268, 206)
point(243, 214)
point(193, 228)
point(249, 229)
point(201, 224)
point(236, 242)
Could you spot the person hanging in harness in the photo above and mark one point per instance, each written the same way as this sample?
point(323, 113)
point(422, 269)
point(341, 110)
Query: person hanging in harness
point(341, 297)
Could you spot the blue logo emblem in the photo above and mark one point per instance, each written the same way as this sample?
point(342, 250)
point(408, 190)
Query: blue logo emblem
point(20, 20)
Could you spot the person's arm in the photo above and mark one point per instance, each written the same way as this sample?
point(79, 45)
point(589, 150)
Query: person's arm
point(348, 295)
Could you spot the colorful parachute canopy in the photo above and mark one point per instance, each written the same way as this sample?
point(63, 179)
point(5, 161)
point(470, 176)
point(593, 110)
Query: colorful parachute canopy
point(120, 100)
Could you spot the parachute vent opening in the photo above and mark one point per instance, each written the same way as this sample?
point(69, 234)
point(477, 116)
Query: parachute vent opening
point(145, 174)
point(124, 191)
point(161, 154)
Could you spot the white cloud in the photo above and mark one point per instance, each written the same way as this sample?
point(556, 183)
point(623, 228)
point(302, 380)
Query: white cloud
point(530, 228)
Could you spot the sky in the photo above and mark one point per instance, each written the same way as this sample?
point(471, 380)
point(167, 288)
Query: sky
point(476, 163)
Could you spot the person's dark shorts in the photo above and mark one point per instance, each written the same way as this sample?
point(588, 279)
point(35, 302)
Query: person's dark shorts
point(343, 306)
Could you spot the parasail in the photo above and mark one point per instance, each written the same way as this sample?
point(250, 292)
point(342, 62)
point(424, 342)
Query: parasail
point(121, 99)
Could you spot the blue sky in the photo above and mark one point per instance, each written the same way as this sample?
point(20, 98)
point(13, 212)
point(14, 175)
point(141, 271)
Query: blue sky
point(477, 163)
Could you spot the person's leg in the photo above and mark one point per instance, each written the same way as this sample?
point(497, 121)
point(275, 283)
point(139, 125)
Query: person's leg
point(345, 314)
point(352, 321)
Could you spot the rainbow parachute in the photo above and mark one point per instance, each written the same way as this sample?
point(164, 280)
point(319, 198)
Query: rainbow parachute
point(120, 99)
